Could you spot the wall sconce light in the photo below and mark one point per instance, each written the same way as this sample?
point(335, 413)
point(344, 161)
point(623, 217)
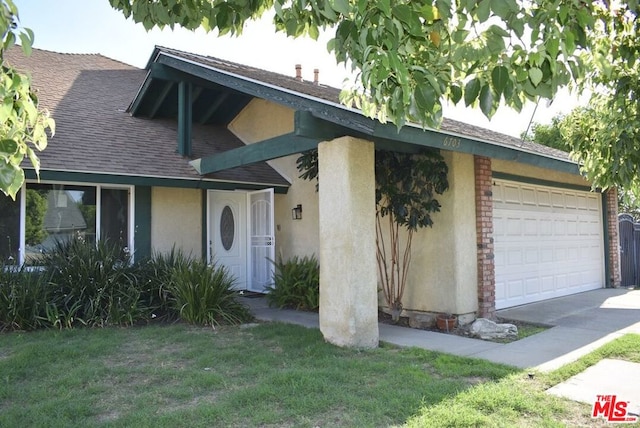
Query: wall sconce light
point(296, 212)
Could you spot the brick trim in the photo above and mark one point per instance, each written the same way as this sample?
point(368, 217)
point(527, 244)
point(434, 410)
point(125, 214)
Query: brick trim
point(611, 200)
point(484, 238)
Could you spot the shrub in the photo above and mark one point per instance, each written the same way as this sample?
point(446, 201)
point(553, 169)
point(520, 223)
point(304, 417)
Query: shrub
point(153, 276)
point(296, 284)
point(23, 299)
point(93, 284)
point(204, 294)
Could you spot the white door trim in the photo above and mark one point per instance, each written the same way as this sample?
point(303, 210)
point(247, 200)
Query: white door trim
point(257, 251)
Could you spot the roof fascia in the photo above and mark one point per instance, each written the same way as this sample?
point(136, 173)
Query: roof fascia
point(137, 180)
point(386, 134)
point(375, 130)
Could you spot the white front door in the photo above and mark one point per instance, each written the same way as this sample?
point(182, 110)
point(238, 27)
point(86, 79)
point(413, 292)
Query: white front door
point(262, 239)
point(241, 237)
point(228, 233)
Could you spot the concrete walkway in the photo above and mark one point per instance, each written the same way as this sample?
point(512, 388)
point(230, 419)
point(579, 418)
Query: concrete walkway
point(579, 324)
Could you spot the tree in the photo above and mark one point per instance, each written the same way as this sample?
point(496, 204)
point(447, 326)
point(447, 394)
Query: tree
point(406, 189)
point(548, 134)
point(23, 127)
point(412, 56)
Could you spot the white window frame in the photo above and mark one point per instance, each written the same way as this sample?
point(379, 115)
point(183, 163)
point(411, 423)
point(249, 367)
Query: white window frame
point(98, 187)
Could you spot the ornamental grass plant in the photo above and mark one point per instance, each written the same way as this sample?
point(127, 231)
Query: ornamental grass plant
point(204, 294)
point(296, 284)
point(81, 283)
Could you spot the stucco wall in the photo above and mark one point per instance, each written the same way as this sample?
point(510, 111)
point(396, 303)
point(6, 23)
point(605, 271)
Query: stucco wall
point(261, 120)
point(443, 273)
point(531, 171)
point(176, 219)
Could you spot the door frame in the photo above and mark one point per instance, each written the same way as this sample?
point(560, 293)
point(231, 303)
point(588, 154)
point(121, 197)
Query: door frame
point(245, 223)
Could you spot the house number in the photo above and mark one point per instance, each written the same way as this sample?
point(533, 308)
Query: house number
point(451, 142)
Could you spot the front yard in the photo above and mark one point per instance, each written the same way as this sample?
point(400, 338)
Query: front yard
point(270, 375)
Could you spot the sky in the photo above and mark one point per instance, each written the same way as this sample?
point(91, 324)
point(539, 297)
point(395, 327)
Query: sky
point(92, 26)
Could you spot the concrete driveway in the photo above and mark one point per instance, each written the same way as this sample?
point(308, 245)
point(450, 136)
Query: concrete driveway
point(580, 323)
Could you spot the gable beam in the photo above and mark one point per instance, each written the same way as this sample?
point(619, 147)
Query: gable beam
point(213, 107)
point(164, 92)
point(271, 148)
point(185, 118)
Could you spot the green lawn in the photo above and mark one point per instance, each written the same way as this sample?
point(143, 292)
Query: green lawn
point(272, 375)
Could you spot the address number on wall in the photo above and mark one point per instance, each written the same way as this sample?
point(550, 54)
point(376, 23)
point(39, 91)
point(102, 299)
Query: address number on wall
point(451, 142)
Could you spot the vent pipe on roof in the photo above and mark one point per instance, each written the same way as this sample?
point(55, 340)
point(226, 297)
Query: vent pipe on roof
point(299, 72)
point(316, 76)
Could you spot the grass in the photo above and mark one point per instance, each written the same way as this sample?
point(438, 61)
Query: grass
point(271, 375)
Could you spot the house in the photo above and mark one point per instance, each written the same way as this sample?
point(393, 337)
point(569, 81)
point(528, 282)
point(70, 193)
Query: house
point(201, 153)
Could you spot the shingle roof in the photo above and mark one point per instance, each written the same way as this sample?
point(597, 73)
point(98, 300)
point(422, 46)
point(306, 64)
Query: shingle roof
point(88, 96)
point(331, 95)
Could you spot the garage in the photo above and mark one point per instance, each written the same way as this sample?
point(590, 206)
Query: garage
point(548, 242)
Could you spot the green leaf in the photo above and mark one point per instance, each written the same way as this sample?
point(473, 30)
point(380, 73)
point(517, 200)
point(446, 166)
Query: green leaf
point(341, 6)
point(486, 101)
point(495, 43)
point(385, 7)
point(8, 148)
point(517, 25)
point(535, 75)
point(553, 45)
point(503, 8)
point(11, 179)
point(314, 33)
point(499, 78)
point(471, 91)
point(403, 13)
point(456, 93)
point(483, 10)
point(499, 31)
point(444, 9)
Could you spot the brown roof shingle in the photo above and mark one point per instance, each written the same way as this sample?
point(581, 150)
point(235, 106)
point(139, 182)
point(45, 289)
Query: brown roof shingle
point(88, 96)
point(331, 95)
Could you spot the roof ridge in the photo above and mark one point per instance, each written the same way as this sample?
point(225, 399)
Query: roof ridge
point(242, 66)
point(85, 54)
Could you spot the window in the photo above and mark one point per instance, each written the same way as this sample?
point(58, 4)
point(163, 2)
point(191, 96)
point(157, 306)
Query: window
point(45, 214)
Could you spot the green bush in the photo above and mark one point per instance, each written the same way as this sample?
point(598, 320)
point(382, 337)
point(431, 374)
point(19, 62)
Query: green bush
point(23, 298)
point(96, 285)
point(93, 284)
point(153, 276)
point(204, 294)
point(296, 284)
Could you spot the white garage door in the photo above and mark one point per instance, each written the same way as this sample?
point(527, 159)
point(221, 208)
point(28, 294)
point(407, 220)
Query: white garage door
point(547, 242)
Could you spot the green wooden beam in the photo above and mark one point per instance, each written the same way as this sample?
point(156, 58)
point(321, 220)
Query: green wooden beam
point(162, 96)
point(134, 107)
point(272, 148)
point(138, 180)
point(142, 222)
point(388, 132)
point(310, 126)
point(171, 74)
point(213, 107)
point(185, 118)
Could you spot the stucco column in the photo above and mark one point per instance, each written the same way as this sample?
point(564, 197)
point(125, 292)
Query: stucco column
point(348, 280)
